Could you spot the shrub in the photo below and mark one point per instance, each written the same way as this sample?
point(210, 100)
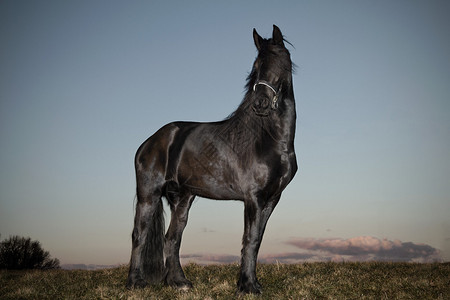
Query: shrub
point(18, 253)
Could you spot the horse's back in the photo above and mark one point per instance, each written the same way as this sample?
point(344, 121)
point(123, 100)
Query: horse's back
point(156, 149)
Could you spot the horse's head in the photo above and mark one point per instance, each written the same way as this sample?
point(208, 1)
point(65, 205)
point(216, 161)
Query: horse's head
point(271, 76)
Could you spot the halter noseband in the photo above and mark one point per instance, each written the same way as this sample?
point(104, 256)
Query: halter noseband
point(274, 103)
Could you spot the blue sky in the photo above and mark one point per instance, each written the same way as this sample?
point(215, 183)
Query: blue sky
point(84, 83)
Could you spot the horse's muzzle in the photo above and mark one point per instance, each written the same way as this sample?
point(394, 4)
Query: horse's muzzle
point(261, 107)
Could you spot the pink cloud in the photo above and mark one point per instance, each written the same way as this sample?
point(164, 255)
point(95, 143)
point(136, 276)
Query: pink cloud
point(366, 248)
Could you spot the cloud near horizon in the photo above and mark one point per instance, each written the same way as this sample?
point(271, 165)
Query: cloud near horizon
point(367, 248)
point(363, 248)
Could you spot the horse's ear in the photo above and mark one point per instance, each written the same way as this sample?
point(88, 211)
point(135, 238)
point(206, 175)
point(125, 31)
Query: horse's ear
point(277, 36)
point(258, 39)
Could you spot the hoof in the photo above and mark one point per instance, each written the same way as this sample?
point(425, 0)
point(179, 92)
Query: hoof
point(182, 285)
point(137, 284)
point(245, 286)
point(249, 288)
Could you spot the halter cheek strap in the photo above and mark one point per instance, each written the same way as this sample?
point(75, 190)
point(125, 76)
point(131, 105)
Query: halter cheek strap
point(274, 103)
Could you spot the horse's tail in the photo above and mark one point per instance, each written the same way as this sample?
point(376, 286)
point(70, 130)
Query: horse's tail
point(153, 252)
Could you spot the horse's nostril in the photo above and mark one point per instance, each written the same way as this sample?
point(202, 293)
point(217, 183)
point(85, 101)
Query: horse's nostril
point(264, 103)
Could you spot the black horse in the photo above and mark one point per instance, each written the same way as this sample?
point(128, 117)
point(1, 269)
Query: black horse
point(249, 156)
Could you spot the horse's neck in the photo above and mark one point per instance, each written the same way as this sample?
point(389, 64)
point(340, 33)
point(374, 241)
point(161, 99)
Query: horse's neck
point(286, 129)
point(245, 124)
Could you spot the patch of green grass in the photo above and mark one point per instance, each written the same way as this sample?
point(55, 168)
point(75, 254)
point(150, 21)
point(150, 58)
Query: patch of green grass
point(301, 281)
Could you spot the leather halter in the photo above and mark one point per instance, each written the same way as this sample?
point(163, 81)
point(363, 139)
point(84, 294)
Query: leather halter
point(274, 103)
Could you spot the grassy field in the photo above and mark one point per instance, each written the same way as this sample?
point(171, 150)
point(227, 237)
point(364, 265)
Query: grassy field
point(302, 281)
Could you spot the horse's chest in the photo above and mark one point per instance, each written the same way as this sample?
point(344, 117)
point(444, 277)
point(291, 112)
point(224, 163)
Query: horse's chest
point(275, 171)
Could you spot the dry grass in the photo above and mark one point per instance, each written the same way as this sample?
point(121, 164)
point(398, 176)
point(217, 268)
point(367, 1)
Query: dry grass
point(302, 281)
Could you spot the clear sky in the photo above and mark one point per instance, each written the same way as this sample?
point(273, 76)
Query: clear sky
point(84, 83)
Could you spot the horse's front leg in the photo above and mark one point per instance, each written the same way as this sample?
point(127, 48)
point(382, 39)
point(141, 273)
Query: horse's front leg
point(256, 217)
point(180, 208)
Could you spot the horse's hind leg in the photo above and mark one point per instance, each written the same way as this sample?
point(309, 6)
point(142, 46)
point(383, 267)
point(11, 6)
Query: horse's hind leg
point(147, 259)
point(179, 205)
